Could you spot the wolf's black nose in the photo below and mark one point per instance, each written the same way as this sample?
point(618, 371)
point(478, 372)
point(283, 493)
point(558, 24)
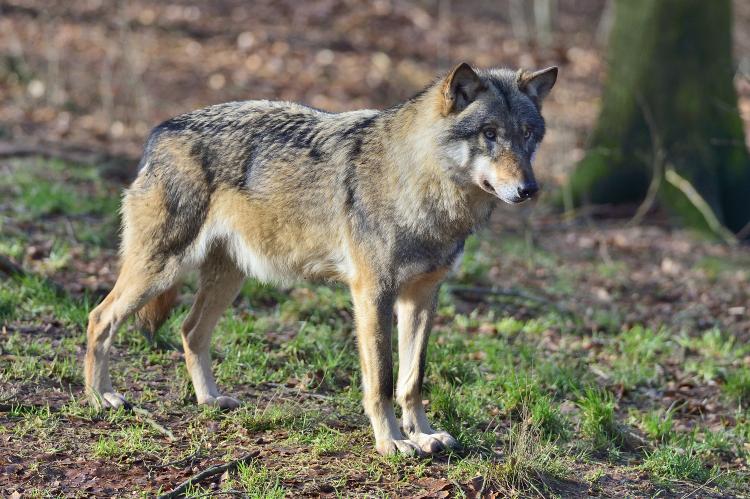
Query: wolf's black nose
point(527, 189)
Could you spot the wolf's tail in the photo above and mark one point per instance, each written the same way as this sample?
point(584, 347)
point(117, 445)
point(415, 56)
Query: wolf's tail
point(153, 314)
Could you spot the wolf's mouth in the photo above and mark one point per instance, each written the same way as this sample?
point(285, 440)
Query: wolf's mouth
point(487, 187)
point(515, 200)
point(504, 193)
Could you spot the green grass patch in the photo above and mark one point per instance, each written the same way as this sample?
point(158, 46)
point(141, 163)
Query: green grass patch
point(259, 482)
point(129, 442)
point(598, 423)
point(639, 351)
point(737, 386)
point(677, 463)
point(659, 425)
point(268, 417)
point(529, 462)
point(321, 440)
point(47, 188)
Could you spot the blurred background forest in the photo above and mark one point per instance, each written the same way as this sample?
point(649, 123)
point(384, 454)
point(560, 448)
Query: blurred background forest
point(99, 74)
point(622, 297)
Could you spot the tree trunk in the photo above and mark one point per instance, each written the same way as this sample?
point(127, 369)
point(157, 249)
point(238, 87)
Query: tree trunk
point(669, 105)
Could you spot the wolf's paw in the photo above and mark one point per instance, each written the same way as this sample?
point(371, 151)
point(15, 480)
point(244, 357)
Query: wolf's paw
point(430, 443)
point(222, 402)
point(391, 447)
point(109, 400)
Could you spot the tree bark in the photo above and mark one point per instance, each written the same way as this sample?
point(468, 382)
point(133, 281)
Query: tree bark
point(669, 103)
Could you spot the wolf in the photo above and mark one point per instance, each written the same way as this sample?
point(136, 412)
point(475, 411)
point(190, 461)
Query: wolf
point(379, 200)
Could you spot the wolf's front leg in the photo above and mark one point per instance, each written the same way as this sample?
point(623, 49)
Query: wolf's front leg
point(373, 311)
point(415, 308)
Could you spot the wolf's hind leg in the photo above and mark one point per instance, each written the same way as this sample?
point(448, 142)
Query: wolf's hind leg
point(415, 308)
point(135, 286)
point(220, 282)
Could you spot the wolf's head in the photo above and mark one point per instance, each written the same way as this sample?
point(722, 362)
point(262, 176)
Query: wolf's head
point(491, 127)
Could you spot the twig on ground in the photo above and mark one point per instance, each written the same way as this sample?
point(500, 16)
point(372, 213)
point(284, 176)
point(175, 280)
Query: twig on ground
point(704, 485)
point(471, 292)
point(494, 291)
point(604, 249)
point(8, 397)
point(600, 239)
point(70, 231)
point(700, 204)
point(179, 463)
point(214, 493)
point(210, 472)
point(22, 329)
point(146, 416)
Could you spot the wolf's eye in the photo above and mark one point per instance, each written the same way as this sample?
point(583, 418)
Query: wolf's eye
point(489, 133)
point(526, 134)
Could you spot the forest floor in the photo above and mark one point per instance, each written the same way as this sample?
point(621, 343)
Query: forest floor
point(592, 370)
point(571, 356)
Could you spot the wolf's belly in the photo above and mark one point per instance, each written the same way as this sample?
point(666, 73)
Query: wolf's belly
point(269, 247)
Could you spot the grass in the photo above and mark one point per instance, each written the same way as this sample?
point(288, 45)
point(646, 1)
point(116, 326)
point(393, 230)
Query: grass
point(538, 402)
point(271, 416)
point(737, 386)
point(639, 351)
point(529, 462)
point(677, 463)
point(598, 423)
point(130, 442)
point(321, 441)
point(72, 192)
point(659, 425)
point(545, 414)
point(259, 482)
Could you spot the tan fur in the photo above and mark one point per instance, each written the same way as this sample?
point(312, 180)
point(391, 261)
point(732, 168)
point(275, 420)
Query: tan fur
point(134, 287)
point(264, 226)
point(220, 282)
point(138, 283)
point(154, 313)
point(373, 313)
point(507, 169)
point(415, 306)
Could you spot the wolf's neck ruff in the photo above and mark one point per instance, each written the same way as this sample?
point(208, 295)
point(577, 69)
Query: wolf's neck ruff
point(424, 198)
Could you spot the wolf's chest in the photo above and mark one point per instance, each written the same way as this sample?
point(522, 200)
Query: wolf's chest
point(419, 256)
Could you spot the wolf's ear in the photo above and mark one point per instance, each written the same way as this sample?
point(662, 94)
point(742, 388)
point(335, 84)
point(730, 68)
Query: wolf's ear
point(537, 84)
point(460, 88)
